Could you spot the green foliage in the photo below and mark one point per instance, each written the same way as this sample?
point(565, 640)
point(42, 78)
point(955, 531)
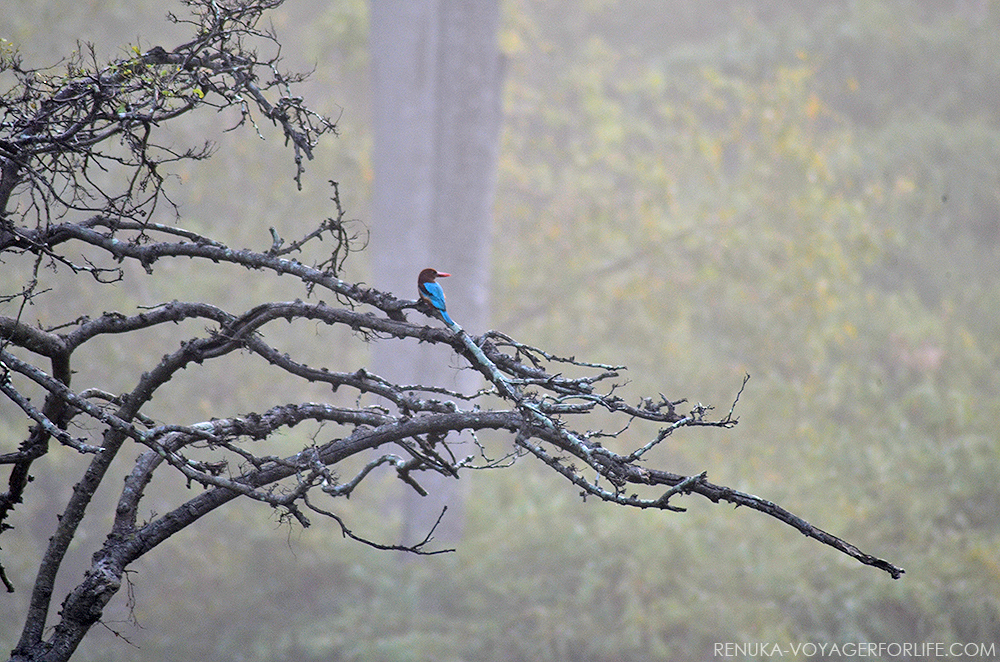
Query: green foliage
point(726, 206)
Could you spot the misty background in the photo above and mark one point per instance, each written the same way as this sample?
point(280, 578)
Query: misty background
point(807, 192)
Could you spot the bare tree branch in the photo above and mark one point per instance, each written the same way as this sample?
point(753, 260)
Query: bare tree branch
point(55, 137)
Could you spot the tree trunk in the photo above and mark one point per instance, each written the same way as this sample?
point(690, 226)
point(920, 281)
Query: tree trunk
point(437, 83)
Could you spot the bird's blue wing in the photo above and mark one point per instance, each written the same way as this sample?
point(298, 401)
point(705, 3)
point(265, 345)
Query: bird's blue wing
point(433, 293)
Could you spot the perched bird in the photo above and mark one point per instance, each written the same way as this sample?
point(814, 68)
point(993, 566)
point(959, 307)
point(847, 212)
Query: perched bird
point(431, 292)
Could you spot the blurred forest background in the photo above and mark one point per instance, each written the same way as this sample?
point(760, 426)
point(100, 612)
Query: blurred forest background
point(805, 191)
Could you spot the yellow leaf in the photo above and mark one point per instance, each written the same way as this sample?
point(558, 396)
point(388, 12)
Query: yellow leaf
point(813, 107)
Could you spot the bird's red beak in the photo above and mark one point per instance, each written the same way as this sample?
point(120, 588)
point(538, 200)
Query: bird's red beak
point(442, 274)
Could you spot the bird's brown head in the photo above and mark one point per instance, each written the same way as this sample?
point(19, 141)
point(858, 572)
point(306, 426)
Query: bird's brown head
point(428, 275)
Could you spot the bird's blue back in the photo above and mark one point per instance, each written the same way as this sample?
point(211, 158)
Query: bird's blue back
point(435, 295)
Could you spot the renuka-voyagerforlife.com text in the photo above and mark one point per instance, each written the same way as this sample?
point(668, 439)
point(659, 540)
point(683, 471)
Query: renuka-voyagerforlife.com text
point(907, 650)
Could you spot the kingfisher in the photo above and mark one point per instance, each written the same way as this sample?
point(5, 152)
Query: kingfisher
point(432, 293)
